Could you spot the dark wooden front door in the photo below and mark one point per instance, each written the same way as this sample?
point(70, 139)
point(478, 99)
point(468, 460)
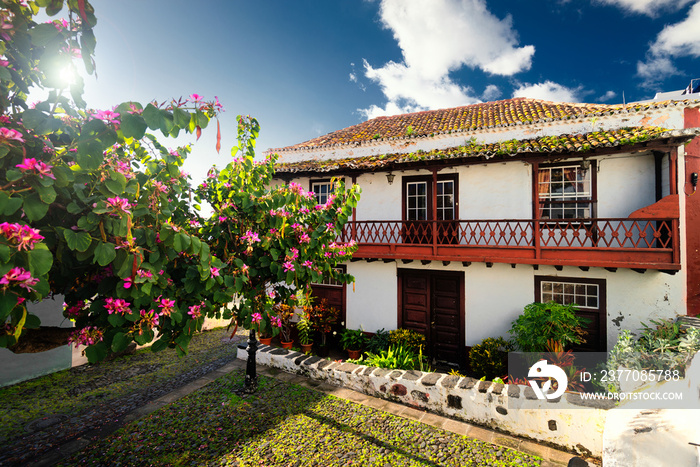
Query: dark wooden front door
point(432, 303)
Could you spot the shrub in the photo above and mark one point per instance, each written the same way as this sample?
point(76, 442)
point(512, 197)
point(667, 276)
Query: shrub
point(489, 358)
point(304, 329)
point(398, 357)
point(379, 342)
point(408, 338)
point(353, 339)
point(664, 346)
point(541, 322)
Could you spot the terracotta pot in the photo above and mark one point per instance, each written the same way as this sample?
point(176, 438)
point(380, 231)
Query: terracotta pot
point(354, 354)
point(265, 340)
point(306, 348)
point(287, 345)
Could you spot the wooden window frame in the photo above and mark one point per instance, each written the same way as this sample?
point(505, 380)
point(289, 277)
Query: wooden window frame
point(593, 199)
point(432, 189)
point(602, 308)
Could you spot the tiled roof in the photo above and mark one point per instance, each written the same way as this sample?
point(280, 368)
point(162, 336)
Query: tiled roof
point(510, 112)
point(581, 143)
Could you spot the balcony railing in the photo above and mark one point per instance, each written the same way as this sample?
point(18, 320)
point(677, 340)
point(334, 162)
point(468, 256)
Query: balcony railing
point(650, 243)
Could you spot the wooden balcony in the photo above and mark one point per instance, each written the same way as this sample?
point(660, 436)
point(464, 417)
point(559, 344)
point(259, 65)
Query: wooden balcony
point(635, 243)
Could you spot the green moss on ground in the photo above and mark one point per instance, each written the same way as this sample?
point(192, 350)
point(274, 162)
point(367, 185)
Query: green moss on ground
point(76, 390)
point(284, 424)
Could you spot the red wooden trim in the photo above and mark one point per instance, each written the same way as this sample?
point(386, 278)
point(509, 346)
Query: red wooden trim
point(668, 206)
point(673, 171)
point(399, 301)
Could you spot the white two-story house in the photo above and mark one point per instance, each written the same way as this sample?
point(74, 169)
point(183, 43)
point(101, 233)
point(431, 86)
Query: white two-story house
point(469, 214)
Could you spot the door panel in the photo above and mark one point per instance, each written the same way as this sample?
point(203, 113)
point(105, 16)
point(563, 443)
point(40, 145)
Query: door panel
point(432, 304)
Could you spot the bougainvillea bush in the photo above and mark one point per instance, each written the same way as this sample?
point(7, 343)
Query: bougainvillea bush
point(92, 206)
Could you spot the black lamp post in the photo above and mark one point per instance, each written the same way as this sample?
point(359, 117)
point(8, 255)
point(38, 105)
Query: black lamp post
point(251, 377)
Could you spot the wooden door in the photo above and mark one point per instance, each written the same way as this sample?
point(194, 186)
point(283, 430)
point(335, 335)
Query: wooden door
point(431, 303)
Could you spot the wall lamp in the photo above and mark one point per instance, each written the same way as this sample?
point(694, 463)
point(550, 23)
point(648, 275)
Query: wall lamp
point(390, 178)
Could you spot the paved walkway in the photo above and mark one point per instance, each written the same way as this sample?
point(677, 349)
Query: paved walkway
point(552, 457)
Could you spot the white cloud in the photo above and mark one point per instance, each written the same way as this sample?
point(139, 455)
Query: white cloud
point(353, 77)
point(438, 37)
point(647, 7)
point(675, 40)
point(491, 92)
point(548, 91)
point(607, 96)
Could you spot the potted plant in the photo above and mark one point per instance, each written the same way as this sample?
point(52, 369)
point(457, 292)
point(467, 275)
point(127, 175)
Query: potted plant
point(263, 336)
point(322, 317)
point(353, 340)
point(305, 339)
point(284, 323)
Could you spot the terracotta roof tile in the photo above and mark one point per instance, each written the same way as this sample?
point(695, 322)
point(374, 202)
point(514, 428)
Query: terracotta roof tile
point(509, 112)
point(581, 143)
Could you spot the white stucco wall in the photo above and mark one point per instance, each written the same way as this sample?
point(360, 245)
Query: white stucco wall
point(372, 300)
point(625, 183)
point(495, 191)
point(496, 296)
point(379, 200)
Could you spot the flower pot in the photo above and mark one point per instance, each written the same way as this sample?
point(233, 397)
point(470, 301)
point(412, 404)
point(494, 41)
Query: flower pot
point(265, 340)
point(287, 345)
point(306, 348)
point(354, 354)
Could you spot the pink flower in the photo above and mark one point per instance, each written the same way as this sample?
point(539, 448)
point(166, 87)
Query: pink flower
point(128, 282)
point(21, 235)
point(166, 305)
point(108, 115)
point(32, 165)
point(117, 305)
point(8, 134)
point(144, 273)
point(150, 318)
point(276, 321)
point(86, 336)
point(271, 294)
point(214, 271)
point(305, 238)
point(74, 311)
point(196, 97)
point(195, 311)
point(307, 264)
point(256, 318)
point(20, 277)
point(118, 205)
point(288, 266)
point(250, 237)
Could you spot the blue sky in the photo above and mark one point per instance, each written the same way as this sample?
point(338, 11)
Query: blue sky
point(305, 68)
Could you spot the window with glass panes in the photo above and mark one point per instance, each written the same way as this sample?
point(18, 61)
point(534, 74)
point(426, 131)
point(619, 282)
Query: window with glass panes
point(417, 201)
point(565, 192)
point(570, 293)
point(445, 200)
point(321, 190)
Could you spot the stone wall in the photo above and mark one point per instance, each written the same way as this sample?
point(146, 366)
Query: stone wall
point(509, 408)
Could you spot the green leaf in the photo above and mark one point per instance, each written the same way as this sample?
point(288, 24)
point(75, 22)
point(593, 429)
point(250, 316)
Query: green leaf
point(33, 322)
point(152, 117)
point(34, 207)
point(144, 338)
point(133, 125)
point(181, 241)
point(44, 33)
point(46, 193)
point(116, 320)
point(77, 241)
point(73, 207)
point(4, 253)
point(181, 118)
point(4, 150)
point(90, 155)
point(7, 302)
point(40, 259)
point(96, 352)
point(64, 175)
point(160, 344)
point(120, 342)
point(20, 325)
point(105, 253)
point(34, 119)
point(116, 183)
